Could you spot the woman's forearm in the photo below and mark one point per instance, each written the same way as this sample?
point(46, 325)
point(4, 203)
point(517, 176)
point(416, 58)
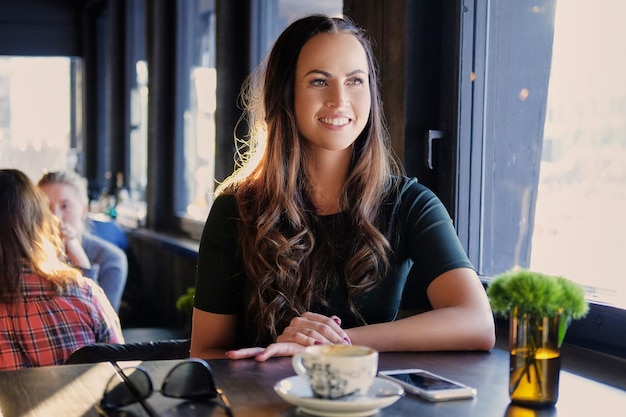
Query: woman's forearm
point(450, 328)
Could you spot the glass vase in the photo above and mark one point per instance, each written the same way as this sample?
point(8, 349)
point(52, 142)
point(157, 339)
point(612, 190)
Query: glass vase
point(535, 359)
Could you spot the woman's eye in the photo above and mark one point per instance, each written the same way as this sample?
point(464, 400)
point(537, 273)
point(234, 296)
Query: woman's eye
point(318, 82)
point(356, 81)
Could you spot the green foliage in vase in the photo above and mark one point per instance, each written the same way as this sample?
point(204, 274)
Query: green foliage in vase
point(544, 304)
point(536, 294)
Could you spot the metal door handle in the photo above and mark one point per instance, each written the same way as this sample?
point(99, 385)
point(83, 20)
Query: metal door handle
point(430, 136)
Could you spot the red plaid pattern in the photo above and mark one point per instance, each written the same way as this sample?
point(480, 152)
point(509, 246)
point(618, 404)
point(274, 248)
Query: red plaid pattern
point(46, 326)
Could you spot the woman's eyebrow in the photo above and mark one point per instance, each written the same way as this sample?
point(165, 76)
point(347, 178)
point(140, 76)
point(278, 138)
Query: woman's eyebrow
point(329, 75)
point(318, 71)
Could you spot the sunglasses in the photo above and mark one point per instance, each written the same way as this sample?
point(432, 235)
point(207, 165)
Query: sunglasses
point(189, 380)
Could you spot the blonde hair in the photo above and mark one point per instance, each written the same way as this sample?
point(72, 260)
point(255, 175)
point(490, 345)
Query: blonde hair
point(71, 178)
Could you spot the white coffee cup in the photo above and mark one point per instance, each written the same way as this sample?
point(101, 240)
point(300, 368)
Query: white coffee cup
point(335, 371)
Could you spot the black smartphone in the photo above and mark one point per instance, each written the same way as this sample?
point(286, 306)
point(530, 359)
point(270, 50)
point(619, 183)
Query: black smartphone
point(428, 385)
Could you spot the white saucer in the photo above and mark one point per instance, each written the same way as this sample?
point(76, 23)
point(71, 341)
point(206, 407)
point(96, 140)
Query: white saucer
point(296, 390)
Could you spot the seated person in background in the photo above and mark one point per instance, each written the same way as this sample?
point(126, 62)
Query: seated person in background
point(47, 308)
point(100, 260)
point(315, 240)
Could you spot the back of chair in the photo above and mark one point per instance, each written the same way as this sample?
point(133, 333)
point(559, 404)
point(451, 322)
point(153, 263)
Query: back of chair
point(144, 351)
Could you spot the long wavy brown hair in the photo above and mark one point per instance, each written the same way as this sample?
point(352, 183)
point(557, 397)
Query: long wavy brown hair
point(29, 237)
point(284, 250)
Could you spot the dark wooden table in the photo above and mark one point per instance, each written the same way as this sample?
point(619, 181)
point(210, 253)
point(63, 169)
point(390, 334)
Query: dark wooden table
point(74, 390)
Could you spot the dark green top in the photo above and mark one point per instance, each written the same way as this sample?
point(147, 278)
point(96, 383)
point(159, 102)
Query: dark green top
point(419, 228)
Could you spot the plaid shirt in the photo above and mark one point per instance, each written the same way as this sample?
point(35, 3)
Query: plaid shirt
point(46, 326)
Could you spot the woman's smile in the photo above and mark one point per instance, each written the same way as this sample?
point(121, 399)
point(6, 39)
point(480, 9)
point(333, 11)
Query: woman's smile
point(340, 121)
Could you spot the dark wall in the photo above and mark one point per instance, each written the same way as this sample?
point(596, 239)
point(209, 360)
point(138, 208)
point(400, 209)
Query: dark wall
point(160, 270)
point(40, 27)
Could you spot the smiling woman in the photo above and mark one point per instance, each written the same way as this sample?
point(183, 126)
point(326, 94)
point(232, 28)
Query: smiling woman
point(314, 243)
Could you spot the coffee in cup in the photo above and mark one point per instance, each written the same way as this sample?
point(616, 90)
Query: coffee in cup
point(335, 371)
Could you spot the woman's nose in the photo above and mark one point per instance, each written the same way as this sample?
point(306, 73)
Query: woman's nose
point(337, 97)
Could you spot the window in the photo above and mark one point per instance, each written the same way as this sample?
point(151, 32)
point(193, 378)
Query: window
point(580, 230)
point(131, 209)
point(542, 150)
point(131, 203)
point(197, 103)
point(35, 106)
point(549, 143)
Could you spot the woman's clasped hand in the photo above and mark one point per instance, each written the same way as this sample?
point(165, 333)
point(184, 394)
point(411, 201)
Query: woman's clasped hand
point(305, 330)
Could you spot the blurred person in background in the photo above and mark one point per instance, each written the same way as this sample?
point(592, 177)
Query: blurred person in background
point(48, 309)
point(99, 259)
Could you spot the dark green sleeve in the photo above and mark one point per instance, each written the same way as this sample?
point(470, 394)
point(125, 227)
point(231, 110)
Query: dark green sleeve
point(431, 241)
point(218, 276)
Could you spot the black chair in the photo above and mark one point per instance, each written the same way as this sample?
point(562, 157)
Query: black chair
point(142, 351)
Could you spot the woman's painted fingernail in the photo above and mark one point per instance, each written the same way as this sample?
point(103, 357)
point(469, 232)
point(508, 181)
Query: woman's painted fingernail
point(317, 342)
point(337, 320)
point(347, 339)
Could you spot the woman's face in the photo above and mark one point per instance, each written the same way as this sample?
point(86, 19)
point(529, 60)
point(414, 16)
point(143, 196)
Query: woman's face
point(66, 204)
point(332, 91)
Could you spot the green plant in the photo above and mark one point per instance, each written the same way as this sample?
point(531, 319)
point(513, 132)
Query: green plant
point(537, 294)
point(185, 301)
